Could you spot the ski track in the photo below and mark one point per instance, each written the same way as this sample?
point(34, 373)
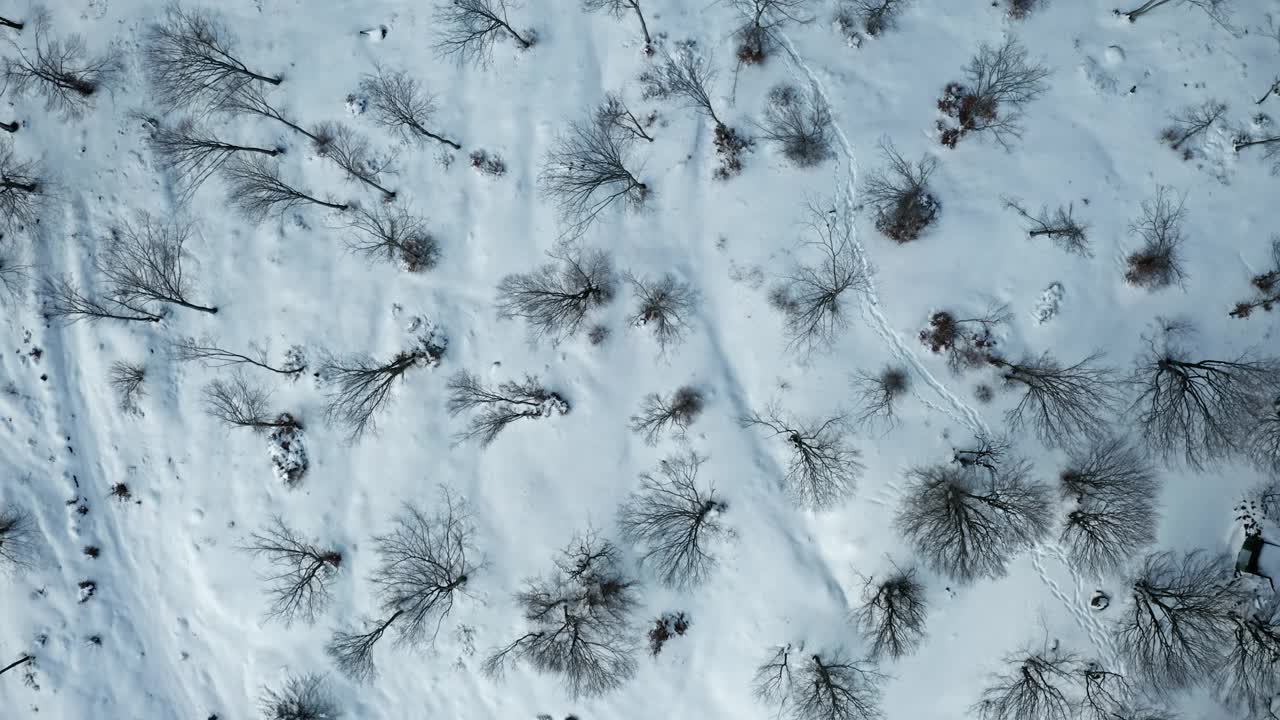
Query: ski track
point(953, 406)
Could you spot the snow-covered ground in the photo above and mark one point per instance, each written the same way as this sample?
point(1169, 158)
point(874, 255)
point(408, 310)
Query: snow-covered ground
point(178, 609)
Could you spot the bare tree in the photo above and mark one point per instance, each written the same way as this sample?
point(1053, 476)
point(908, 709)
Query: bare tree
point(878, 16)
point(969, 521)
point(22, 189)
point(470, 28)
point(424, 565)
point(1179, 621)
point(893, 613)
point(1101, 535)
point(1065, 405)
point(618, 8)
point(1219, 11)
point(813, 298)
point(1248, 678)
point(206, 351)
point(351, 152)
point(193, 62)
point(361, 386)
point(1263, 442)
point(191, 153)
point(685, 77)
point(658, 414)
point(579, 621)
point(800, 123)
point(1037, 686)
point(1110, 695)
point(762, 21)
point(144, 264)
point(63, 300)
point(500, 406)
point(250, 100)
point(967, 342)
point(823, 467)
point(258, 190)
point(879, 394)
point(1158, 262)
point(1266, 286)
point(13, 277)
point(400, 104)
point(238, 403)
point(128, 381)
point(1190, 122)
point(1201, 409)
point(17, 539)
point(1109, 470)
point(586, 171)
point(1269, 144)
point(1059, 226)
point(900, 196)
point(819, 686)
point(674, 521)
point(999, 83)
point(303, 697)
point(614, 113)
point(664, 305)
point(555, 299)
point(301, 572)
point(394, 233)
point(60, 70)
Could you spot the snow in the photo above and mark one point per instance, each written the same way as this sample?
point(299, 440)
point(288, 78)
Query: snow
point(179, 609)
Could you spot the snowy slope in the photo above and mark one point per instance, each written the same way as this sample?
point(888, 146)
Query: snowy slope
point(179, 610)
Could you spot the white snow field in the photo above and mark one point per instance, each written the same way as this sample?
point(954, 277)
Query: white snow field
point(176, 625)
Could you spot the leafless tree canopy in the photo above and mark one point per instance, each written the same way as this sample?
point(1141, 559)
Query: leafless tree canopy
point(498, 407)
point(614, 113)
point(63, 300)
point(1059, 226)
point(879, 394)
point(814, 299)
point(191, 153)
point(967, 521)
point(17, 539)
point(587, 170)
point(1036, 686)
point(22, 191)
point(400, 104)
point(1179, 618)
point(258, 190)
point(1109, 470)
point(878, 16)
point(675, 522)
point(1191, 122)
point(1200, 409)
point(1219, 11)
point(1266, 286)
point(1113, 492)
point(424, 565)
point(360, 386)
point(893, 613)
point(351, 152)
point(1248, 677)
point(900, 196)
point(558, 297)
point(1158, 262)
point(193, 62)
point(618, 8)
point(1262, 445)
point(60, 70)
point(664, 306)
point(658, 414)
point(393, 233)
point(999, 83)
point(684, 76)
point(128, 381)
point(823, 466)
point(238, 403)
point(579, 621)
point(1064, 405)
point(143, 264)
point(303, 697)
point(250, 100)
point(470, 28)
point(799, 121)
point(967, 342)
point(762, 21)
point(206, 351)
point(298, 584)
point(13, 277)
point(819, 686)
